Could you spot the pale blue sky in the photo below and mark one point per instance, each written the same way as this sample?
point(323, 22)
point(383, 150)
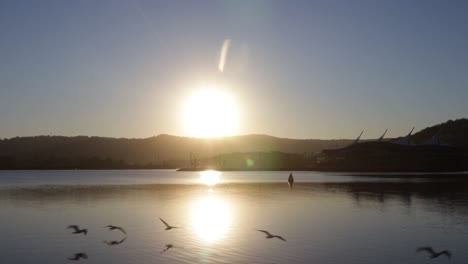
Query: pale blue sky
point(298, 69)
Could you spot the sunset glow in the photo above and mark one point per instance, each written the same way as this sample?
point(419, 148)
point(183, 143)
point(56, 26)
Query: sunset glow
point(219, 132)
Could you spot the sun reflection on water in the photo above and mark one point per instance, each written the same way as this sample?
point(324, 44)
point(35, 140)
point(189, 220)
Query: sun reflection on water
point(211, 218)
point(210, 177)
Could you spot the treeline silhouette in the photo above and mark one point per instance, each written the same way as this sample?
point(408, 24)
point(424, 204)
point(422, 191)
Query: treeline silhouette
point(66, 163)
point(163, 151)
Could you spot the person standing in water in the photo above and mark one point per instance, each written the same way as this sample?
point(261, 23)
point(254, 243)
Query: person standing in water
point(290, 180)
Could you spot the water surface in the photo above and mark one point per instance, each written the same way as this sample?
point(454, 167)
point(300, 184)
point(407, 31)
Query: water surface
point(326, 218)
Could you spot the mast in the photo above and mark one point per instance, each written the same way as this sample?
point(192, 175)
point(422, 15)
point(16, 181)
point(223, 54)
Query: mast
point(357, 139)
point(382, 136)
point(405, 140)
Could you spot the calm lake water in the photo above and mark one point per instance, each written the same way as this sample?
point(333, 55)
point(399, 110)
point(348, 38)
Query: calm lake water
point(325, 218)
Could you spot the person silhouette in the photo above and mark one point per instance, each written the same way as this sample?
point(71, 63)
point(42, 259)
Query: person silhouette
point(290, 180)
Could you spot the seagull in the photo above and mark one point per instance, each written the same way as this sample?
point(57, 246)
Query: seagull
point(79, 256)
point(168, 227)
point(78, 230)
point(290, 180)
point(168, 246)
point(115, 242)
point(433, 254)
point(113, 227)
point(269, 235)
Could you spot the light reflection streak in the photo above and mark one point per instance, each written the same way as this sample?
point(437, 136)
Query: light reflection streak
point(210, 177)
point(211, 218)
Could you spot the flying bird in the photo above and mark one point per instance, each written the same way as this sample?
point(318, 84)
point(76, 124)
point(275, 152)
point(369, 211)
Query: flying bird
point(269, 235)
point(434, 254)
point(77, 230)
point(168, 227)
point(79, 256)
point(113, 227)
point(115, 242)
point(168, 246)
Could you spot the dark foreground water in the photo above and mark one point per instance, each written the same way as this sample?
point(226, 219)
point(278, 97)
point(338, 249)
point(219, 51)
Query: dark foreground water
point(328, 218)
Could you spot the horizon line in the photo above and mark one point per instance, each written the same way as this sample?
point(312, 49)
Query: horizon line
point(191, 137)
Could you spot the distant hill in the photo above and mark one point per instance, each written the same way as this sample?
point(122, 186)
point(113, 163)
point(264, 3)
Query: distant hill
point(162, 150)
point(452, 132)
point(173, 151)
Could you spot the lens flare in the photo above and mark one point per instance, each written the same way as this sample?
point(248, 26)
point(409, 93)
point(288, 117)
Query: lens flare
point(224, 53)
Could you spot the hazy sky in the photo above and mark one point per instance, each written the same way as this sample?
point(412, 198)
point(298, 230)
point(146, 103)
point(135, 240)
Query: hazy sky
point(298, 69)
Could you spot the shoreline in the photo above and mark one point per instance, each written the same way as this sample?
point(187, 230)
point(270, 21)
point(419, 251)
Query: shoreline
point(370, 172)
point(345, 172)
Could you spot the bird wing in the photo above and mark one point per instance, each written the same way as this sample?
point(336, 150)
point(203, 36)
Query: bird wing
point(264, 231)
point(164, 222)
point(280, 237)
point(446, 252)
point(84, 255)
point(166, 249)
point(428, 249)
point(121, 241)
point(121, 229)
point(75, 227)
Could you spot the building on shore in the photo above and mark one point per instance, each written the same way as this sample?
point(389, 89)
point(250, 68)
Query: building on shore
point(394, 156)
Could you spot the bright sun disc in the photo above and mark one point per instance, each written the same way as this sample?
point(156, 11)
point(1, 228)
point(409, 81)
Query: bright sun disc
point(210, 113)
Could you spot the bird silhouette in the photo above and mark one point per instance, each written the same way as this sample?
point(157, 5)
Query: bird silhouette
point(434, 254)
point(113, 227)
point(77, 230)
point(79, 256)
point(115, 242)
point(269, 235)
point(168, 246)
point(168, 227)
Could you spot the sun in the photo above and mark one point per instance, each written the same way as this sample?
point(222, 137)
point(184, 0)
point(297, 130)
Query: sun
point(210, 112)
